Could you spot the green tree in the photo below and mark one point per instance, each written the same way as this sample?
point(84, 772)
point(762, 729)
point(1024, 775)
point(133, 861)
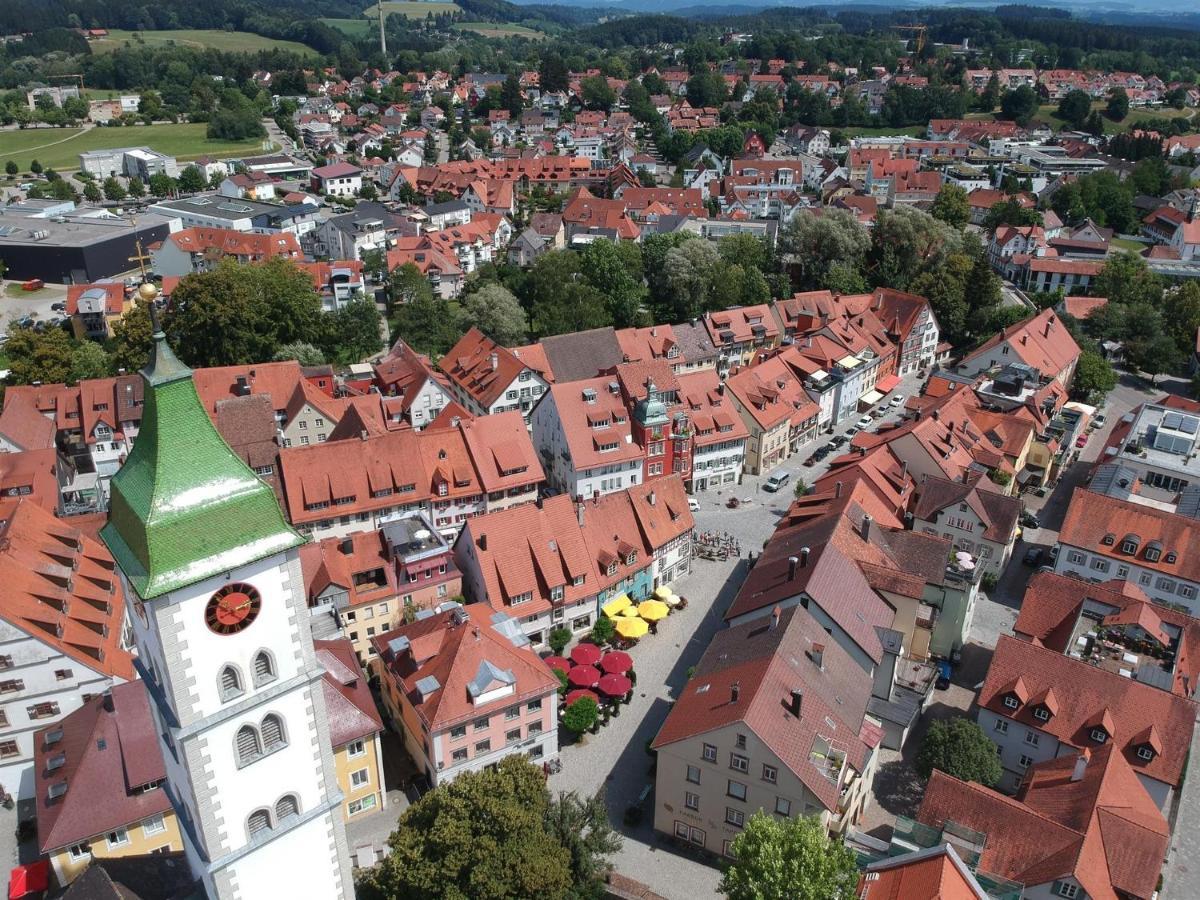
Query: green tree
point(810, 247)
point(136, 187)
point(496, 312)
point(558, 640)
point(946, 290)
point(789, 859)
point(597, 94)
point(427, 324)
point(1094, 377)
point(1118, 105)
point(1126, 279)
point(113, 189)
point(604, 265)
point(161, 184)
point(1075, 107)
point(242, 314)
point(129, 349)
point(1011, 212)
point(558, 297)
point(1181, 313)
point(1153, 355)
point(45, 356)
point(958, 747)
point(352, 332)
point(1019, 105)
point(88, 360)
point(11, 169)
point(581, 825)
point(580, 715)
point(483, 836)
point(511, 97)
point(906, 242)
point(301, 351)
point(689, 270)
point(92, 193)
point(35, 167)
point(951, 205)
point(406, 284)
point(603, 631)
point(192, 180)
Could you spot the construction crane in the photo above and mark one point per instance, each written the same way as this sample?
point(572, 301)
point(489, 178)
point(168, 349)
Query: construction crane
point(919, 32)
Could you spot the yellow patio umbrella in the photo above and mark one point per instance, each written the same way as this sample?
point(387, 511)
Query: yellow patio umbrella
point(630, 611)
point(615, 607)
point(662, 592)
point(631, 628)
point(653, 610)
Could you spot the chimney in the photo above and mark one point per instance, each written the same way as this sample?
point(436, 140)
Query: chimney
point(1081, 764)
point(650, 498)
point(495, 361)
point(817, 655)
point(936, 415)
point(347, 546)
point(793, 563)
point(865, 528)
point(579, 513)
point(108, 700)
point(796, 703)
point(363, 434)
point(735, 691)
point(482, 542)
point(775, 617)
point(837, 490)
point(804, 551)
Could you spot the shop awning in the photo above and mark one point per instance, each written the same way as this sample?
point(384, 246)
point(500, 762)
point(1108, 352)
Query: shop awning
point(870, 398)
point(887, 383)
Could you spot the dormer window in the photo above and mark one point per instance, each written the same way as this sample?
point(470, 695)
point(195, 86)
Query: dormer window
point(1099, 735)
point(1153, 553)
point(1109, 539)
point(612, 568)
point(1170, 558)
point(631, 557)
point(1146, 753)
point(1042, 714)
point(1011, 701)
point(1129, 545)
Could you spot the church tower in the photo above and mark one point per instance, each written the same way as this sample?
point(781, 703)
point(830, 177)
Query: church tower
point(212, 573)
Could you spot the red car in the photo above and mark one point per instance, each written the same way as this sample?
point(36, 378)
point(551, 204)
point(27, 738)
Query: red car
point(1081, 440)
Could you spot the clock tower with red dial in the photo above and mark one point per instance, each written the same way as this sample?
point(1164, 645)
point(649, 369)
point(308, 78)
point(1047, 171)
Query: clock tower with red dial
point(225, 651)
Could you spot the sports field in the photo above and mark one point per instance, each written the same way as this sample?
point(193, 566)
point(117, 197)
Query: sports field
point(230, 41)
point(59, 148)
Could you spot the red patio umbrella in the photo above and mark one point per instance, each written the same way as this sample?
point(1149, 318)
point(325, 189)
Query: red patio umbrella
point(616, 662)
point(584, 676)
point(615, 685)
point(574, 695)
point(557, 662)
point(585, 655)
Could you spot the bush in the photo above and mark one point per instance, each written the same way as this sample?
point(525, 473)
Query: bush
point(988, 582)
point(603, 631)
point(558, 640)
point(581, 715)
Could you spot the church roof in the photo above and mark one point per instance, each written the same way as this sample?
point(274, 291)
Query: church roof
point(184, 506)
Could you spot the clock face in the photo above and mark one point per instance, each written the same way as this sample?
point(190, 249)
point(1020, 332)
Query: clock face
point(232, 609)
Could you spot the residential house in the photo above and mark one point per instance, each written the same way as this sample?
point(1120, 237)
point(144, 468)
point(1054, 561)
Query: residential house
point(1038, 705)
point(201, 249)
point(1157, 445)
point(933, 873)
point(466, 689)
point(422, 390)
point(741, 333)
point(1041, 342)
point(774, 718)
point(719, 435)
point(99, 792)
point(973, 516)
point(1105, 537)
point(339, 179)
point(63, 635)
point(338, 282)
point(580, 355)
point(94, 308)
point(776, 409)
point(532, 563)
point(487, 378)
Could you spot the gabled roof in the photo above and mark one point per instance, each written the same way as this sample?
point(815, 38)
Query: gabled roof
point(62, 588)
point(436, 661)
point(1041, 341)
point(104, 751)
point(1090, 696)
point(997, 512)
point(481, 367)
point(349, 706)
point(582, 354)
point(936, 873)
point(767, 662)
point(23, 425)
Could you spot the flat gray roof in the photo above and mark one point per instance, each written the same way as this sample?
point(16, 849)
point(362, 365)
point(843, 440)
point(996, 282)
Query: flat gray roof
point(72, 231)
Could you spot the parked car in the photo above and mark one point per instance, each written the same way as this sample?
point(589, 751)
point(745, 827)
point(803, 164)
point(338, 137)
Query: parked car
point(897, 399)
point(1033, 556)
point(864, 422)
point(1081, 441)
point(830, 447)
point(778, 480)
point(943, 675)
point(693, 504)
point(820, 453)
point(840, 440)
point(812, 460)
point(1029, 520)
point(1098, 421)
point(58, 307)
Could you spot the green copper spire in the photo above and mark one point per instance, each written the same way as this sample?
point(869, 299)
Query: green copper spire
point(185, 507)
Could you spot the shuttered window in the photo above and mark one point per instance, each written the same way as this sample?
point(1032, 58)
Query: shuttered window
point(248, 746)
point(272, 732)
point(264, 669)
point(287, 806)
point(231, 683)
point(260, 820)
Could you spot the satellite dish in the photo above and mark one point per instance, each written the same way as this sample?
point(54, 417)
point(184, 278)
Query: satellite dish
point(423, 535)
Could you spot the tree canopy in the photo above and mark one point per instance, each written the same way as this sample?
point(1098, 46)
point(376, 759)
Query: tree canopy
point(958, 747)
point(789, 859)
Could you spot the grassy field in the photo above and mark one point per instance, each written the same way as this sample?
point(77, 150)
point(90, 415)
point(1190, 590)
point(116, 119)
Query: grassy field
point(500, 29)
point(911, 130)
point(59, 148)
point(354, 28)
point(1126, 244)
point(411, 9)
point(231, 41)
point(1048, 113)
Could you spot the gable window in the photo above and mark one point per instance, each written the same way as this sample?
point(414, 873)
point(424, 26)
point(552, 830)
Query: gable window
point(739, 763)
point(1064, 889)
point(1145, 752)
point(770, 774)
point(783, 806)
point(736, 790)
point(356, 748)
point(710, 753)
point(1099, 735)
point(693, 774)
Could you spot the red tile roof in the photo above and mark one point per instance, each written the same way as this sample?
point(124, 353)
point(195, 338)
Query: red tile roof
point(766, 664)
point(481, 367)
point(113, 293)
point(243, 244)
point(349, 706)
point(458, 655)
point(998, 512)
point(23, 425)
point(61, 587)
point(935, 874)
point(1093, 517)
point(1087, 696)
point(772, 392)
point(639, 521)
point(590, 425)
point(714, 416)
point(742, 324)
point(1041, 341)
point(107, 750)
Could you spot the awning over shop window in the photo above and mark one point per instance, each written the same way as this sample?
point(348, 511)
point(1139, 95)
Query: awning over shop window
point(870, 398)
point(887, 383)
